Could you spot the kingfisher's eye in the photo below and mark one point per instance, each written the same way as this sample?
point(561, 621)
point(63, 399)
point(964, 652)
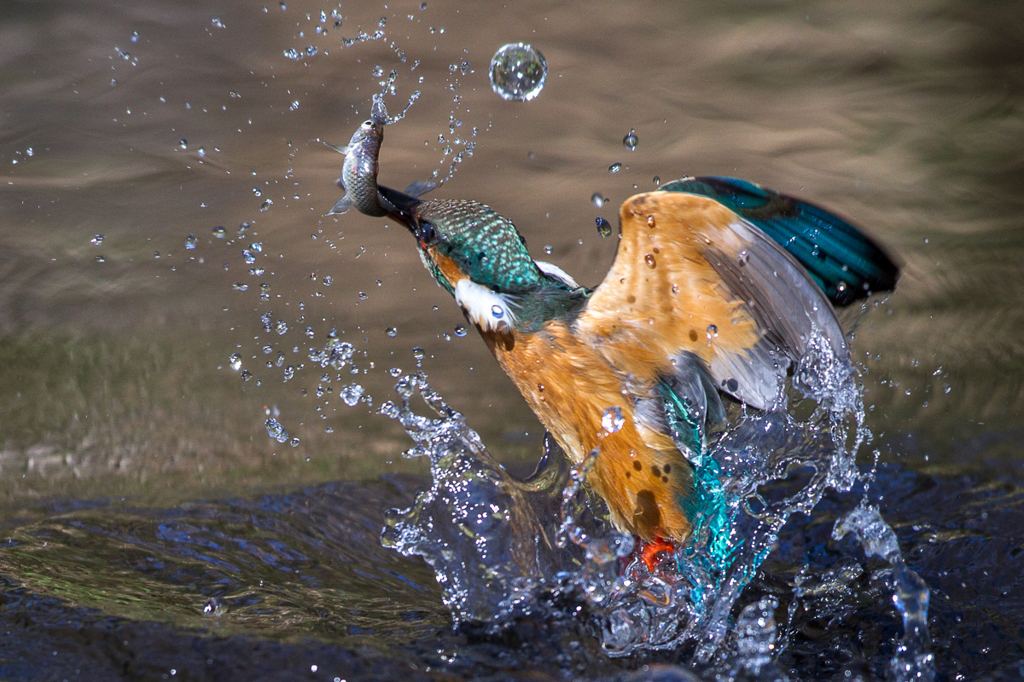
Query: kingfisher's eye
point(426, 233)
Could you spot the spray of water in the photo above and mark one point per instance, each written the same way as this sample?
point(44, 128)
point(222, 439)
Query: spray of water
point(503, 549)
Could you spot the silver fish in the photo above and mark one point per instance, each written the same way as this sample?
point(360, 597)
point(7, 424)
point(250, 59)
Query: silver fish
point(359, 171)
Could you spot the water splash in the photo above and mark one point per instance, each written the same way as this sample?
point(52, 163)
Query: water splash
point(504, 549)
point(913, 659)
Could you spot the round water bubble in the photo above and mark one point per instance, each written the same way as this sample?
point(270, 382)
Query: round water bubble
point(518, 72)
point(604, 228)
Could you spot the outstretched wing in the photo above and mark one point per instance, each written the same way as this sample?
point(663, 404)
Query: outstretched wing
point(841, 259)
point(695, 288)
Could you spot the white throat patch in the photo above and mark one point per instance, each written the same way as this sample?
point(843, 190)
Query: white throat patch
point(486, 309)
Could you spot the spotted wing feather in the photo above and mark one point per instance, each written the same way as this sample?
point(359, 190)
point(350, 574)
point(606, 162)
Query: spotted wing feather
point(693, 279)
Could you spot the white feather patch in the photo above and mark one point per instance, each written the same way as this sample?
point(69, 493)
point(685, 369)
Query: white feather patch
point(486, 309)
point(552, 270)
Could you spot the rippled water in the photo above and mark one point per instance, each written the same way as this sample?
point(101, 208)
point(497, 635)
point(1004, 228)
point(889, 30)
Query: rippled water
point(163, 186)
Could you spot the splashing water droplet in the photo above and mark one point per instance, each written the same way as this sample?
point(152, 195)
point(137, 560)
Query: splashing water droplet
point(275, 430)
point(219, 232)
point(235, 361)
point(518, 72)
point(351, 394)
point(612, 419)
point(597, 199)
point(604, 228)
point(630, 140)
point(97, 240)
point(190, 242)
point(712, 332)
point(183, 143)
point(497, 311)
point(328, 280)
point(460, 330)
point(614, 168)
point(391, 331)
point(650, 260)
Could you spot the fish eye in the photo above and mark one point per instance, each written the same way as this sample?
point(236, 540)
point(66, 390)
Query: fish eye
point(368, 123)
point(426, 233)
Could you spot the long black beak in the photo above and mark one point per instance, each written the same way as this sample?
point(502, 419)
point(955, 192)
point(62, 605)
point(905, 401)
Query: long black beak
point(399, 205)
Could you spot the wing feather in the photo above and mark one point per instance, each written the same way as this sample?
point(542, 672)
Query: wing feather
point(693, 277)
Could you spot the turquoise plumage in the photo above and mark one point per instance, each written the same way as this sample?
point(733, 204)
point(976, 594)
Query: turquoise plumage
point(844, 262)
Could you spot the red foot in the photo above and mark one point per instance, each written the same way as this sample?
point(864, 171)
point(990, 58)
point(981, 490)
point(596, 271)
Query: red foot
point(649, 552)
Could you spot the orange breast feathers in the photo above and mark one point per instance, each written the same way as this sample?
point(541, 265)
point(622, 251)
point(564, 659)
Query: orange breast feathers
point(639, 472)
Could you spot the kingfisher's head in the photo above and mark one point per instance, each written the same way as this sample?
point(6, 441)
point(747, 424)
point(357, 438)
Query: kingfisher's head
point(475, 254)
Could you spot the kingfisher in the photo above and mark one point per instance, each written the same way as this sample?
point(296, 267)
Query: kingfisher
point(718, 290)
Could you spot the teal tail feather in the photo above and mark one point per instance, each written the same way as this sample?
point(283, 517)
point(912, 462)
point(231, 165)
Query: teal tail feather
point(706, 506)
point(847, 264)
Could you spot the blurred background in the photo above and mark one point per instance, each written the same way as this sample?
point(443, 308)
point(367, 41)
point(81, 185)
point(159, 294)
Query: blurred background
point(145, 147)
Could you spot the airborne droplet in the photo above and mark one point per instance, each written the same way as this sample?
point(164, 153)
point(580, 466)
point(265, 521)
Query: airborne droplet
point(597, 199)
point(518, 72)
point(604, 228)
point(651, 262)
point(351, 394)
point(630, 140)
point(614, 168)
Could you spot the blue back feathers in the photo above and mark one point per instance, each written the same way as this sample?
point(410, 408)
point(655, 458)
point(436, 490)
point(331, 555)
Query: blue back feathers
point(841, 259)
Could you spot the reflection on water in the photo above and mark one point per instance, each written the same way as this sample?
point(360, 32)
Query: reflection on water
point(185, 134)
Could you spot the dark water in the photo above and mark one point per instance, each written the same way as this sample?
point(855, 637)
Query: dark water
point(150, 524)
